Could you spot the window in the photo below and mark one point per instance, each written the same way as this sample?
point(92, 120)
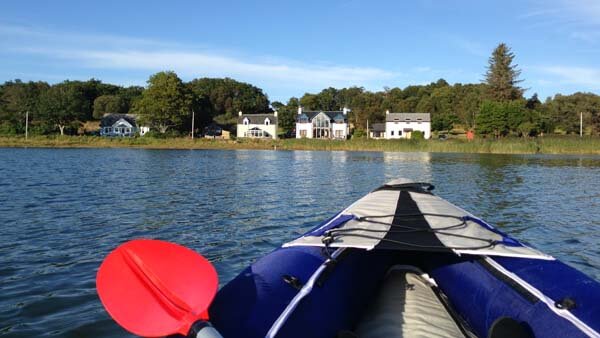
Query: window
point(302, 133)
point(392, 133)
point(339, 134)
point(256, 133)
point(267, 121)
point(321, 126)
point(246, 121)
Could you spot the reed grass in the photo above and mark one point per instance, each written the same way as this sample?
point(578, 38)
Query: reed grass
point(540, 145)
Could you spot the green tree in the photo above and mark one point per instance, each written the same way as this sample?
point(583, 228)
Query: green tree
point(443, 122)
point(502, 75)
point(227, 97)
point(564, 111)
point(16, 99)
point(286, 114)
point(166, 103)
point(492, 119)
point(109, 104)
point(130, 95)
point(62, 105)
point(515, 113)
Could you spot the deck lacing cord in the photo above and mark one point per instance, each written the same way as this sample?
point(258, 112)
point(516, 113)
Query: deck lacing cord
point(331, 235)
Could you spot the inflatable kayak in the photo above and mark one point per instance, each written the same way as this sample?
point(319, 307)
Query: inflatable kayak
point(399, 262)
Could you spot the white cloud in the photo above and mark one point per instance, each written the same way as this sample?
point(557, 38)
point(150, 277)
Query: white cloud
point(575, 19)
point(470, 46)
point(569, 75)
point(125, 53)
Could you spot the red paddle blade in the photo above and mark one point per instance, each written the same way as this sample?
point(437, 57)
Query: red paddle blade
point(154, 288)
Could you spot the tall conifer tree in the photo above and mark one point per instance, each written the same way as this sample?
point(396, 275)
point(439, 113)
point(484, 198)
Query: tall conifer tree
point(502, 75)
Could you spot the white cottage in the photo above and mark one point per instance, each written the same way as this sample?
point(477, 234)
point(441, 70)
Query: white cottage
point(377, 131)
point(322, 124)
point(402, 125)
point(123, 125)
point(257, 125)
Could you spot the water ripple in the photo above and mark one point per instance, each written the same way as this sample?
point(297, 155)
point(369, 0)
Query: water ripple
point(63, 210)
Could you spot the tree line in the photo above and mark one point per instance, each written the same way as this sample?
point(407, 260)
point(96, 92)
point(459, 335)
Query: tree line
point(166, 104)
point(496, 107)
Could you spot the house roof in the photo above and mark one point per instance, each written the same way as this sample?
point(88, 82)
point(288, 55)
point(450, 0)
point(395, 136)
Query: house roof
point(408, 117)
point(335, 115)
point(109, 120)
point(378, 127)
point(257, 118)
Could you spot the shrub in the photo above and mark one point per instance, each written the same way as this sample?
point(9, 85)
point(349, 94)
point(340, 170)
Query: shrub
point(417, 135)
point(359, 133)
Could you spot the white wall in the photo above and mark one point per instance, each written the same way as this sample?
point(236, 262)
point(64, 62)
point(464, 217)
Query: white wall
point(304, 126)
point(395, 127)
point(339, 126)
point(143, 130)
point(243, 128)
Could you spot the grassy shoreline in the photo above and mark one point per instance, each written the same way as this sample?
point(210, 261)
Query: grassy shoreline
point(541, 145)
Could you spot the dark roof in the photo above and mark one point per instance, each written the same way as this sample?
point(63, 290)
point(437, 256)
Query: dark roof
point(408, 117)
point(109, 120)
point(257, 118)
point(336, 115)
point(378, 127)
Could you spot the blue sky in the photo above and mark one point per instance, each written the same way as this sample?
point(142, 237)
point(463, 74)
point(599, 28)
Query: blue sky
point(289, 48)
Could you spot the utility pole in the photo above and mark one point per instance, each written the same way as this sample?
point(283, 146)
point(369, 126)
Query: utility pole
point(367, 129)
point(26, 124)
point(193, 115)
point(581, 124)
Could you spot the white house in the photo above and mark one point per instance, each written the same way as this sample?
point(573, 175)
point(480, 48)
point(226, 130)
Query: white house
point(121, 125)
point(402, 125)
point(377, 131)
point(322, 124)
point(257, 125)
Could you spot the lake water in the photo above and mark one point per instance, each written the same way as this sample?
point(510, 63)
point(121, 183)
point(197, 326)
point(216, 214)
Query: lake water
point(63, 210)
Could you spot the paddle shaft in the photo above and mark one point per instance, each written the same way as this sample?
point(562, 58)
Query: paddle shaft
point(202, 329)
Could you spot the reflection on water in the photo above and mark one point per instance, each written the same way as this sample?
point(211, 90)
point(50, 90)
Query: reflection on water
point(63, 210)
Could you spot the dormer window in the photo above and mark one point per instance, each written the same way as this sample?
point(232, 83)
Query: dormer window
point(246, 121)
point(267, 121)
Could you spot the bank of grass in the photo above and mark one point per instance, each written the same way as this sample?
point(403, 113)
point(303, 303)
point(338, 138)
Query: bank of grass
point(543, 145)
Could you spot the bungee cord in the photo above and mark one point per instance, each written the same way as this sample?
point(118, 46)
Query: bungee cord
point(331, 235)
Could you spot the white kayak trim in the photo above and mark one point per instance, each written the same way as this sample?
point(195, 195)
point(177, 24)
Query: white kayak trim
point(564, 313)
point(306, 289)
point(541, 255)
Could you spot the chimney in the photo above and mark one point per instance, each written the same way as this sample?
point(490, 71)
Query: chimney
point(387, 112)
point(240, 113)
point(275, 113)
point(299, 110)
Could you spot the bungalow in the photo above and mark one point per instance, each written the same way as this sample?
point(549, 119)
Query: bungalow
point(257, 125)
point(377, 131)
point(322, 124)
point(402, 125)
point(123, 125)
